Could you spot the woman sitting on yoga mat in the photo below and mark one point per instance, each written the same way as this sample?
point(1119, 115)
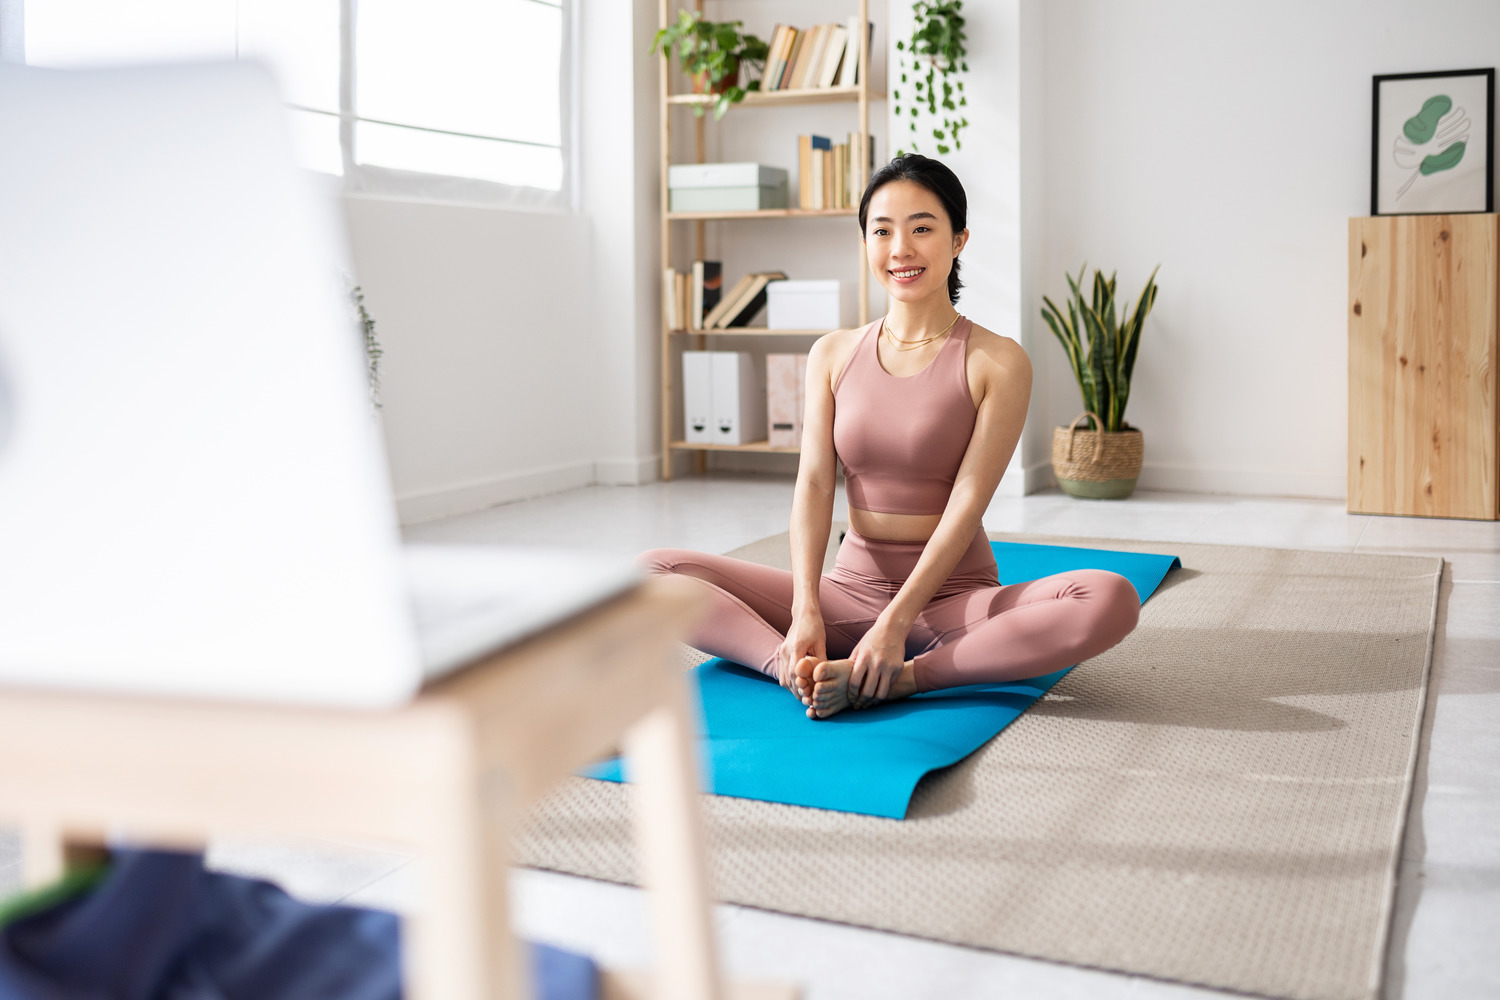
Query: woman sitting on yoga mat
point(924, 410)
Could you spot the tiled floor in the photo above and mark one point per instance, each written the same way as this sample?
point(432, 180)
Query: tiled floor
point(1447, 922)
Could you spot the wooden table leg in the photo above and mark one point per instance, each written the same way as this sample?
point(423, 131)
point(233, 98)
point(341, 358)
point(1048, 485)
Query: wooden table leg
point(674, 865)
point(43, 852)
point(458, 943)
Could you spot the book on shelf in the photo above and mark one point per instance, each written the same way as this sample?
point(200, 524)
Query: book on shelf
point(852, 72)
point(833, 55)
point(825, 55)
point(708, 284)
point(809, 193)
point(841, 183)
point(751, 300)
point(793, 49)
point(810, 66)
point(729, 298)
point(775, 55)
point(804, 55)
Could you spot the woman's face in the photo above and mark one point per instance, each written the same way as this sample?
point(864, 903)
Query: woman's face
point(909, 241)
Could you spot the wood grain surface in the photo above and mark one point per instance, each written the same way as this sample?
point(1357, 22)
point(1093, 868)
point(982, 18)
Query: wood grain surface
point(1422, 365)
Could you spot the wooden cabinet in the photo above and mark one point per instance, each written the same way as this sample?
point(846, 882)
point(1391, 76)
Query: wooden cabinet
point(1423, 319)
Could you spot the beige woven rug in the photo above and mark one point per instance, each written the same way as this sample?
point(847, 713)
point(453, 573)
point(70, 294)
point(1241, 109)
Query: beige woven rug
point(1218, 800)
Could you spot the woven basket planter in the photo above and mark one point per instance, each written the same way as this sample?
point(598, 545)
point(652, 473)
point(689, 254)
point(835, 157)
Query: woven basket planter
point(1099, 465)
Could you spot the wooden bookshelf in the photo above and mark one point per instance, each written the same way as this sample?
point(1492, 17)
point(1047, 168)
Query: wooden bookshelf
point(757, 446)
point(672, 240)
point(764, 213)
point(777, 98)
point(750, 331)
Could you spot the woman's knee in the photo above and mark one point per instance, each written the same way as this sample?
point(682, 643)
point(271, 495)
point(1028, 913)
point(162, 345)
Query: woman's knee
point(659, 562)
point(1116, 603)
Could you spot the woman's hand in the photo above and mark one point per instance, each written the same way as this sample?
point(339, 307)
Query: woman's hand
point(806, 637)
point(878, 659)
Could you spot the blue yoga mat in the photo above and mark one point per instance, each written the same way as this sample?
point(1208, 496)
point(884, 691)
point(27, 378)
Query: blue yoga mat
point(757, 743)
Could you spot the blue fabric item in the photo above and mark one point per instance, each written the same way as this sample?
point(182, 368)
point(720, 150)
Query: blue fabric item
point(757, 740)
point(161, 927)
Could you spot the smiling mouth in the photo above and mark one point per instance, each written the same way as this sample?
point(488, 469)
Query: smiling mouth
point(906, 273)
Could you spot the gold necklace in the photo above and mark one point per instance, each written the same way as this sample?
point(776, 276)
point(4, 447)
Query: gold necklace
point(912, 345)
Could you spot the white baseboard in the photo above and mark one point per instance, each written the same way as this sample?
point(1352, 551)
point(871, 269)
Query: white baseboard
point(426, 506)
point(1019, 482)
point(1243, 482)
point(627, 471)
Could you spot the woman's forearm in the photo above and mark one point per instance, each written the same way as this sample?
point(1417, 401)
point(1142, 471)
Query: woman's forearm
point(812, 518)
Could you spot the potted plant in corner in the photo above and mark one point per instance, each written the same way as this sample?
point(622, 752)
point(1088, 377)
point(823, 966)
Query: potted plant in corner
point(712, 53)
point(1103, 461)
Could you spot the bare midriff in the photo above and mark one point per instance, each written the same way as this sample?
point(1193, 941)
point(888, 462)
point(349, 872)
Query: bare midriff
point(893, 527)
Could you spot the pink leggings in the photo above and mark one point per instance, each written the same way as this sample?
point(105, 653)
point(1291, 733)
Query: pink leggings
point(973, 631)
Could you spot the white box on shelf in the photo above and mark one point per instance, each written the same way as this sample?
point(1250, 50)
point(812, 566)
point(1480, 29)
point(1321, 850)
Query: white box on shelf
point(739, 398)
point(718, 175)
point(810, 305)
point(725, 187)
point(697, 397)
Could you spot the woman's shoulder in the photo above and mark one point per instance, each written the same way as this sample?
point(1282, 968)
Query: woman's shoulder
point(993, 349)
point(833, 350)
point(997, 365)
point(837, 340)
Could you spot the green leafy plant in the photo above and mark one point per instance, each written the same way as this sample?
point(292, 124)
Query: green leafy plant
point(937, 40)
point(373, 351)
point(1104, 373)
point(713, 53)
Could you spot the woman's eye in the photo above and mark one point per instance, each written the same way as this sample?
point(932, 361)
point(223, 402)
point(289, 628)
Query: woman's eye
point(921, 229)
point(880, 232)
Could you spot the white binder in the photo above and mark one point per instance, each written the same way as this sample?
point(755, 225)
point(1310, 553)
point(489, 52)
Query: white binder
point(697, 397)
point(739, 399)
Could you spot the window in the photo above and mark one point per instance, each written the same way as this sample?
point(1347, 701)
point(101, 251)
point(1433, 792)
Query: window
point(460, 100)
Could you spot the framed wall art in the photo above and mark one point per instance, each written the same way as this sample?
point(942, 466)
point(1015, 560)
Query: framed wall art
point(1433, 143)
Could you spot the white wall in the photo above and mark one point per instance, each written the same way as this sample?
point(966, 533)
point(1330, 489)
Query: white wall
point(520, 347)
point(1230, 142)
point(474, 311)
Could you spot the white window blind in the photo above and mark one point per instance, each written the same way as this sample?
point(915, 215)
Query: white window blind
point(455, 100)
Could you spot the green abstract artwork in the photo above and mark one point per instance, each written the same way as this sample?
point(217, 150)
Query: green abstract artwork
point(1431, 141)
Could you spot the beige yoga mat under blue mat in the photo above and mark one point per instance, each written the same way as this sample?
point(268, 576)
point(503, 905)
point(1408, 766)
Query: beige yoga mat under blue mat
point(754, 731)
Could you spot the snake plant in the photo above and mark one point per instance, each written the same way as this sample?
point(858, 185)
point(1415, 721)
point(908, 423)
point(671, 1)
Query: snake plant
point(1104, 373)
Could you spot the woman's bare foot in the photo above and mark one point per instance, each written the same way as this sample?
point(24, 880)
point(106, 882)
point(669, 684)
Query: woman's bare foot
point(831, 688)
point(802, 679)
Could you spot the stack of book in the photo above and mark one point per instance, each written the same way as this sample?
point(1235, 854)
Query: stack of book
point(697, 301)
point(823, 56)
point(743, 301)
point(689, 297)
point(826, 174)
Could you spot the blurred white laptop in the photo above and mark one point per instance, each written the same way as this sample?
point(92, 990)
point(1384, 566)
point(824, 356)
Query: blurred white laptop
point(193, 493)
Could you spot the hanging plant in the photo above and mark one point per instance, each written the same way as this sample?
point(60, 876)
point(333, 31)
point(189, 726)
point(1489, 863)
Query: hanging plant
point(937, 40)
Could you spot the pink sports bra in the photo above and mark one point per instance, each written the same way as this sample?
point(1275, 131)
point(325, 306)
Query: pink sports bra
point(901, 439)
